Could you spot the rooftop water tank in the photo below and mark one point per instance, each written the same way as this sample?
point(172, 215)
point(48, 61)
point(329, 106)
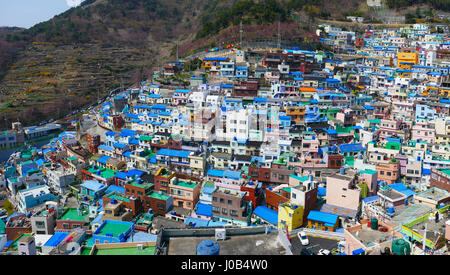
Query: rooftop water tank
point(400, 247)
point(391, 210)
point(208, 247)
point(374, 224)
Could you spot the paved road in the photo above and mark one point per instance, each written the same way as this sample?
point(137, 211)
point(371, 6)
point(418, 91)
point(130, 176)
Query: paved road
point(315, 244)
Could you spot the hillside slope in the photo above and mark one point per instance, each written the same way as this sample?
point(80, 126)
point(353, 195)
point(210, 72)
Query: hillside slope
point(67, 62)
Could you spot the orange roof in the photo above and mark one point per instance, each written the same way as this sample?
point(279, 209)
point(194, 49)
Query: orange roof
point(361, 87)
point(307, 89)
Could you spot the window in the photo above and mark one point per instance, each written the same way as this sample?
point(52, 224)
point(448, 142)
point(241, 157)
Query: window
point(40, 224)
point(230, 202)
point(222, 200)
point(214, 198)
point(66, 226)
point(233, 213)
point(215, 209)
point(224, 211)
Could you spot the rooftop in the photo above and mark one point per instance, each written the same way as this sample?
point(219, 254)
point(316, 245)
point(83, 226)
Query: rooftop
point(260, 244)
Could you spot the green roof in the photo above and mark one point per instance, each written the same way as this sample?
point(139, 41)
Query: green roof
point(446, 171)
point(104, 172)
point(374, 121)
point(146, 250)
point(287, 189)
point(158, 196)
point(145, 138)
point(114, 228)
point(72, 215)
point(117, 197)
point(368, 171)
point(392, 145)
point(187, 184)
point(302, 179)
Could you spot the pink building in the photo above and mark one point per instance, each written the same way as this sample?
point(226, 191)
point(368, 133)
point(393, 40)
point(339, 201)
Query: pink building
point(180, 96)
point(389, 127)
point(370, 177)
point(343, 191)
point(423, 131)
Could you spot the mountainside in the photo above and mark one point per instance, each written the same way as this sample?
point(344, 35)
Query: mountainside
point(67, 62)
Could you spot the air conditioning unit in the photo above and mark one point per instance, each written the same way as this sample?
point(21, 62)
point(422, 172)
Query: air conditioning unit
point(140, 247)
point(221, 234)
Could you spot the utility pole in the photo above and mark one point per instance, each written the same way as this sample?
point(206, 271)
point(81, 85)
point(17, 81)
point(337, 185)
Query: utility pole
point(424, 239)
point(240, 34)
point(279, 36)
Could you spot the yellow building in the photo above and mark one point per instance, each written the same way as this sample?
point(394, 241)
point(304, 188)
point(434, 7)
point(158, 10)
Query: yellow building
point(290, 215)
point(209, 62)
point(405, 60)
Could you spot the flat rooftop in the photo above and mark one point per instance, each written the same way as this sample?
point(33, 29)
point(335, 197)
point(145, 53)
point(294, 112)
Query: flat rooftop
point(406, 214)
point(114, 228)
point(259, 244)
point(370, 237)
point(146, 250)
point(72, 215)
point(393, 195)
point(434, 194)
point(432, 228)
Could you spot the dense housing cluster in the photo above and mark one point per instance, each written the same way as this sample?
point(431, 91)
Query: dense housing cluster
point(350, 145)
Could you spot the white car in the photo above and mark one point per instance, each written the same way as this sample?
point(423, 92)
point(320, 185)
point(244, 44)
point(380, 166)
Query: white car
point(303, 238)
point(324, 252)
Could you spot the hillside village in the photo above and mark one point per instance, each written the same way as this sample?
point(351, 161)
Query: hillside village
point(349, 145)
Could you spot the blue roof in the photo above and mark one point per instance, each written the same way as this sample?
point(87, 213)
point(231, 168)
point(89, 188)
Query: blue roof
point(174, 153)
point(105, 148)
point(119, 145)
point(142, 237)
point(370, 199)
point(235, 175)
point(322, 217)
point(426, 171)
point(266, 214)
point(196, 222)
point(131, 115)
point(121, 175)
point(355, 147)
point(110, 133)
point(400, 187)
point(215, 173)
point(215, 59)
point(57, 238)
point(127, 154)
point(204, 209)
point(115, 189)
point(127, 133)
point(135, 172)
point(367, 107)
point(93, 185)
point(103, 159)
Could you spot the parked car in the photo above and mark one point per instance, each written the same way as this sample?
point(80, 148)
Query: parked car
point(303, 238)
point(306, 251)
point(324, 252)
